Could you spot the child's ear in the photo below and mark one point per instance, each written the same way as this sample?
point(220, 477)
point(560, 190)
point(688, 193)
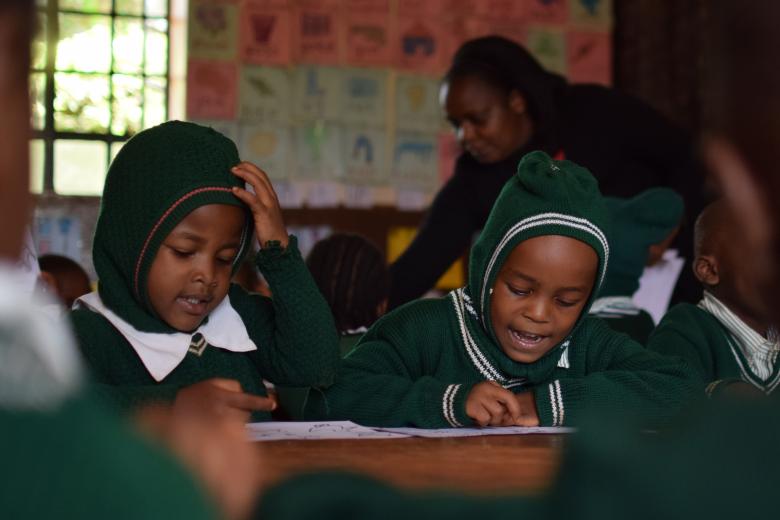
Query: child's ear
point(517, 102)
point(705, 268)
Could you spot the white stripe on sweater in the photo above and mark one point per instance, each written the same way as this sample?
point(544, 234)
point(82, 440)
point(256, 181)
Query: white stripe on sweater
point(561, 409)
point(760, 352)
point(448, 405)
point(553, 404)
point(475, 354)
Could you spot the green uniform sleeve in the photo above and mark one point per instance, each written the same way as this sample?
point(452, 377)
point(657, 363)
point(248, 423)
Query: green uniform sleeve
point(620, 377)
point(386, 380)
point(294, 330)
point(134, 396)
point(82, 461)
point(678, 335)
point(381, 385)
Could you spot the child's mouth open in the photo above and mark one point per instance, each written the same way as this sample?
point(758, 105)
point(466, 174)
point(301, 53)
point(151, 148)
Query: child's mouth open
point(194, 305)
point(524, 340)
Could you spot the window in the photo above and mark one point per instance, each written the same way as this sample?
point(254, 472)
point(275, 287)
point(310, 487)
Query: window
point(99, 75)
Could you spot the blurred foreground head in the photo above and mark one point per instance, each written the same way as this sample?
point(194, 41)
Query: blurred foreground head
point(16, 29)
point(743, 144)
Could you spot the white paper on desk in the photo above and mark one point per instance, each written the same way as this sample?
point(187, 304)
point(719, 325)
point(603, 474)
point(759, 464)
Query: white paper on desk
point(657, 284)
point(478, 432)
point(290, 431)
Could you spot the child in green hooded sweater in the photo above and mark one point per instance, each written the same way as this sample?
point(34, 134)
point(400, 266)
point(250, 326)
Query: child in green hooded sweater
point(642, 229)
point(515, 346)
point(727, 341)
point(165, 323)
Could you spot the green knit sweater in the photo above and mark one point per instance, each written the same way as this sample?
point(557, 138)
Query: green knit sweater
point(637, 327)
point(80, 461)
point(414, 368)
point(289, 352)
point(159, 177)
point(417, 365)
point(714, 358)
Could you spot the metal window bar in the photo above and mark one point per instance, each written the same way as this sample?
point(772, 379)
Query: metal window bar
point(48, 134)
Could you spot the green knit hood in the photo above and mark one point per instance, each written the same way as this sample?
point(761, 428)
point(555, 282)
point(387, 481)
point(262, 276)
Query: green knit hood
point(544, 197)
point(638, 223)
point(159, 177)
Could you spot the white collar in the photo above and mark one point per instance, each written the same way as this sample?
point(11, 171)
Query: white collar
point(614, 305)
point(161, 353)
point(355, 332)
point(760, 352)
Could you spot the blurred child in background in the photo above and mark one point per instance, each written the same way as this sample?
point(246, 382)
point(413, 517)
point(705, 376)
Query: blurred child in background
point(64, 277)
point(352, 275)
point(727, 338)
point(642, 229)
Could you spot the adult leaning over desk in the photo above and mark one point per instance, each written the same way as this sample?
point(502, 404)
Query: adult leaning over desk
point(502, 105)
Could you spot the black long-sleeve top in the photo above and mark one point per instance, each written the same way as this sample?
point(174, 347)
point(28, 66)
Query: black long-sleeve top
point(627, 145)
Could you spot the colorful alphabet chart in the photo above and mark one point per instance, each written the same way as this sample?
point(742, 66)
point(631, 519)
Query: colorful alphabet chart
point(339, 100)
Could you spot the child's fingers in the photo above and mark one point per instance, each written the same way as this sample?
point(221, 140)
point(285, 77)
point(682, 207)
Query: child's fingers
point(246, 197)
point(511, 403)
point(496, 411)
point(248, 402)
point(258, 172)
point(260, 192)
point(226, 384)
point(504, 398)
point(258, 197)
point(526, 420)
point(258, 179)
point(481, 416)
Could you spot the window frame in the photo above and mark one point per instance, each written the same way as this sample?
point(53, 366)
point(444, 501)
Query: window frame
point(49, 134)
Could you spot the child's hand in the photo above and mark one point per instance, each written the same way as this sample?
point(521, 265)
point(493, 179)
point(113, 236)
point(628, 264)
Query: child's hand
point(528, 414)
point(264, 204)
point(490, 404)
point(741, 390)
point(221, 397)
point(215, 449)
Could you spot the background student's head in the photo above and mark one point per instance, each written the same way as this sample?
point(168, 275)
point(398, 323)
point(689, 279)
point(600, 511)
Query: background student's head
point(65, 278)
point(352, 275)
point(722, 267)
point(497, 97)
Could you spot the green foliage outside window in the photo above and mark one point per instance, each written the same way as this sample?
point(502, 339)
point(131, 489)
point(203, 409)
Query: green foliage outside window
point(99, 75)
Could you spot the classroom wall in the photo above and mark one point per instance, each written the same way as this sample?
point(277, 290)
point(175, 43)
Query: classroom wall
point(660, 53)
point(338, 100)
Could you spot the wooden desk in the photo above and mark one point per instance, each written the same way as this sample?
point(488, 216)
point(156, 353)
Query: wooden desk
point(483, 465)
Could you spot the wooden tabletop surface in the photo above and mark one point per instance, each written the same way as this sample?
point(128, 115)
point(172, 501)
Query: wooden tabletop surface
point(498, 464)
